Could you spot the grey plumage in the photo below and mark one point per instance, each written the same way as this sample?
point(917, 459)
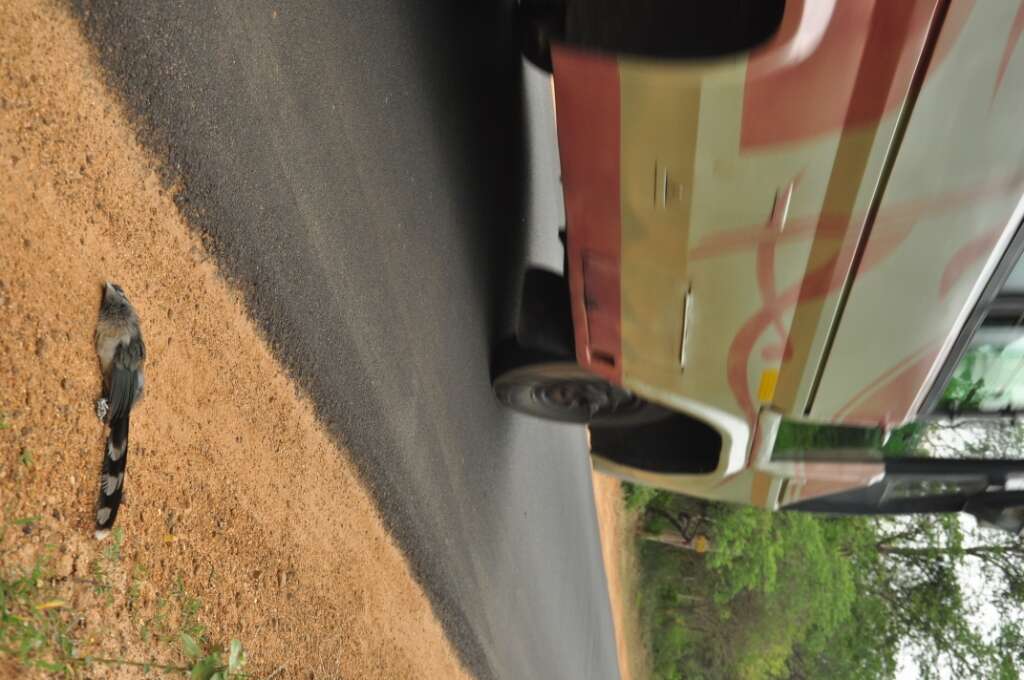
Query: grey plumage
point(122, 354)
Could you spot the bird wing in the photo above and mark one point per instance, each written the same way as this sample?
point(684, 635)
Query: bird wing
point(124, 377)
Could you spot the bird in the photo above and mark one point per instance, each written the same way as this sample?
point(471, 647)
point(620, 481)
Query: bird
point(122, 354)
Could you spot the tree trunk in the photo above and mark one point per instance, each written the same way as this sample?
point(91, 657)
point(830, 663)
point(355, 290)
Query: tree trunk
point(676, 541)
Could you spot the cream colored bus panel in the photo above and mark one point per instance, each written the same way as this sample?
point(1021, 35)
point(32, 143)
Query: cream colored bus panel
point(946, 215)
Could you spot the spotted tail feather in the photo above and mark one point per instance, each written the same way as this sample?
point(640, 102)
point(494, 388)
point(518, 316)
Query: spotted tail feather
point(112, 477)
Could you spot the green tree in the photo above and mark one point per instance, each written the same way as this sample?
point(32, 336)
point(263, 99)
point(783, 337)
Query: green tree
point(792, 595)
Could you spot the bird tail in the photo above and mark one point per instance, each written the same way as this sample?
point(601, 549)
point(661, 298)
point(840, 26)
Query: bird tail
point(112, 476)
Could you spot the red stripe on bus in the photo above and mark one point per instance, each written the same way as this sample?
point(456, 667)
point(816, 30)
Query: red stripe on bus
point(587, 106)
point(860, 70)
point(1016, 28)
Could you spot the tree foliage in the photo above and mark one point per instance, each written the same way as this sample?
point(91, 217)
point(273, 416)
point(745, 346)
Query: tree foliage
point(793, 595)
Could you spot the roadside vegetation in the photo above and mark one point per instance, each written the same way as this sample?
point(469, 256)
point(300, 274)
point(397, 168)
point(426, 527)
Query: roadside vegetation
point(735, 592)
point(95, 614)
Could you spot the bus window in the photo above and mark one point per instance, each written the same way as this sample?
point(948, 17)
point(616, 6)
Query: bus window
point(989, 377)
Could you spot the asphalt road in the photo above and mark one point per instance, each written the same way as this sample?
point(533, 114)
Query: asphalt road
point(372, 173)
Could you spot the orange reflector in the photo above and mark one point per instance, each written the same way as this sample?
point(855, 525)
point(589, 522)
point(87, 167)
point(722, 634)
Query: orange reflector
point(769, 379)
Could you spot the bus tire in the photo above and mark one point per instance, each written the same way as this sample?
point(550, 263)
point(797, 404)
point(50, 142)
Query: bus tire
point(553, 387)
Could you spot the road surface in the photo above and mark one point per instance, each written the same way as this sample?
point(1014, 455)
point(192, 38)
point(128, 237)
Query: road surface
point(372, 173)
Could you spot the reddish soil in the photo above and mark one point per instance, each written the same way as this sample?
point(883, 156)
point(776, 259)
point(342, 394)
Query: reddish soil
point(233, 490)
point(617, 528)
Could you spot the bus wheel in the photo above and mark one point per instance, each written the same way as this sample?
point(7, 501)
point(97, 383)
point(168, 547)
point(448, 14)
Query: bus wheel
point(540, 22)
point(556, 388)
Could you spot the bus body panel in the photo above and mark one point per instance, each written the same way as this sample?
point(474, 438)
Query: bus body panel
point(746, 233)
point(718, 211)
point(948, 211)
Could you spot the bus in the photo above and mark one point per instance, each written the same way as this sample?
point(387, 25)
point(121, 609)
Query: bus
point(793, 234)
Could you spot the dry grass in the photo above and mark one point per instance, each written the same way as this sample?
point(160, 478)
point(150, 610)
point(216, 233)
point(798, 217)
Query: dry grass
point(617, 527)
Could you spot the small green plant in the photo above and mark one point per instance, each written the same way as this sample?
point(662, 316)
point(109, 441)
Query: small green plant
point(31, 628)
point(4, 425)
point(210, 664)
point(100, 584)
point(112, 552)
point(638, 496)
point(190, 607)
point(158, 625)
point(25, 457)
point(34, 631)
point(134, 588)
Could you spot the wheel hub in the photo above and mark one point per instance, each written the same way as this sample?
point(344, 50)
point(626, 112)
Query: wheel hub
point(590, 397)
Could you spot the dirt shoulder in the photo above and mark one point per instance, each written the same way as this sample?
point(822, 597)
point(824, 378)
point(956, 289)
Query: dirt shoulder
point(236, 498)
point(616, 527)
